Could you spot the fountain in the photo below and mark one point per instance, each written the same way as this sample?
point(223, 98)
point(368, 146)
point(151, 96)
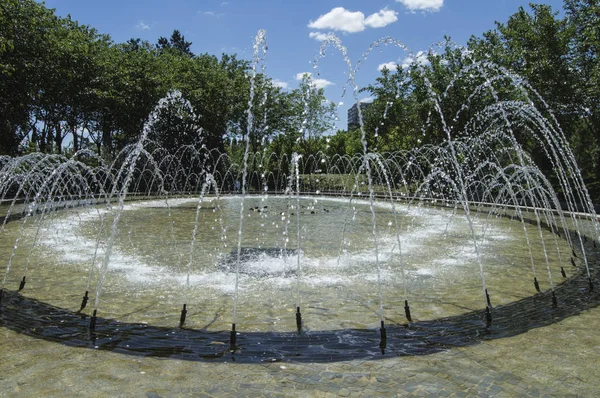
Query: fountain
point(316, 259)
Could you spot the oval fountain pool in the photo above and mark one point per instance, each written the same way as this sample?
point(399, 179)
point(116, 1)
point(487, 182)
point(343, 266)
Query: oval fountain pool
point(404, 253)
point(159, 263)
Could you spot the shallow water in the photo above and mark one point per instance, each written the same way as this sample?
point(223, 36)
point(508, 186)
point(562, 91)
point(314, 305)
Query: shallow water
point(442, 279)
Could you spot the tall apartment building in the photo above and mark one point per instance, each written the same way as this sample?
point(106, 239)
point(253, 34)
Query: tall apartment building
point(353, 120)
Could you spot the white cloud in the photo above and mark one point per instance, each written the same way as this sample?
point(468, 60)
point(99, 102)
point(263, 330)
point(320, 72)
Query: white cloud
point(211, 14)
point(318, 83)
point(382, 18)
point(367, 100)
point(353, 21)
point(422, 5)
point(420, 58)
point(318, 35)
point(389, 65)
point(321, 83)
point(142, 26)
point(280, 83)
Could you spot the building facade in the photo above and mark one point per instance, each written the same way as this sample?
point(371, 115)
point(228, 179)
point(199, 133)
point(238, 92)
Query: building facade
point(353, 119)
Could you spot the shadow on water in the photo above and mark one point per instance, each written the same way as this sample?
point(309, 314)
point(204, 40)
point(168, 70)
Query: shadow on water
point(42, 320)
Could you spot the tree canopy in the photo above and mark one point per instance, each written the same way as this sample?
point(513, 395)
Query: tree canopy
point(64, 86)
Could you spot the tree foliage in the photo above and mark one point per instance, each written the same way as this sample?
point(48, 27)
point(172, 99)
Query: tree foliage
point(64, 86)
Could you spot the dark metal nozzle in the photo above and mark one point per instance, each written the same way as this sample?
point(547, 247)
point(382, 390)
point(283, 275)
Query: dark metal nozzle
point(93, 321)
point(183, 315)
point(22, 284)
point(562, 272)
point(383, 340)
point(537, 285)
point(554, 300)
point(298, 320)
point(232, 337)
point(488, 317)
point(407, 311)
point(84, 301)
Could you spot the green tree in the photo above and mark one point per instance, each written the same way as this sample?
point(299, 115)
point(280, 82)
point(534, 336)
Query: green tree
point(583, 18)
point(175, 124)
point(26, 33)
point(312, 115)
point(176, 43)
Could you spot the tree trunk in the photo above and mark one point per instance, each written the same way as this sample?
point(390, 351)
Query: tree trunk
point(43, 137)
point(106, 139)
point(58, 138)
point(75, 139)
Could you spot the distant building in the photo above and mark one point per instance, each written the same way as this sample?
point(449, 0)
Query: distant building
point(353, 120)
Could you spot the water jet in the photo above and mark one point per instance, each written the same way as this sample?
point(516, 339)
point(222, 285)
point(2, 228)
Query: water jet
point(419, 225)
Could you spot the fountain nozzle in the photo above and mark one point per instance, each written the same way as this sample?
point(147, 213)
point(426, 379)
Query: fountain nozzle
point(487, 297)
point(183, 315)
point(93, 321)
point(589, 280)
point(537, 285)
point(488, 317)
point(407, 311)
point(554, 301)
point(232, 337)
point(84, 301)
point(22, 284)
point(298, 320)
point(562, 272)
point(383, 341)
point(573, 262)
point(1, 294)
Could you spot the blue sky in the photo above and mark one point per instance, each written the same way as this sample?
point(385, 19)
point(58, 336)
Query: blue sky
point(295, 27)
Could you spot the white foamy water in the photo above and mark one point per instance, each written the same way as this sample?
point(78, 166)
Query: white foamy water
point(335, 268)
